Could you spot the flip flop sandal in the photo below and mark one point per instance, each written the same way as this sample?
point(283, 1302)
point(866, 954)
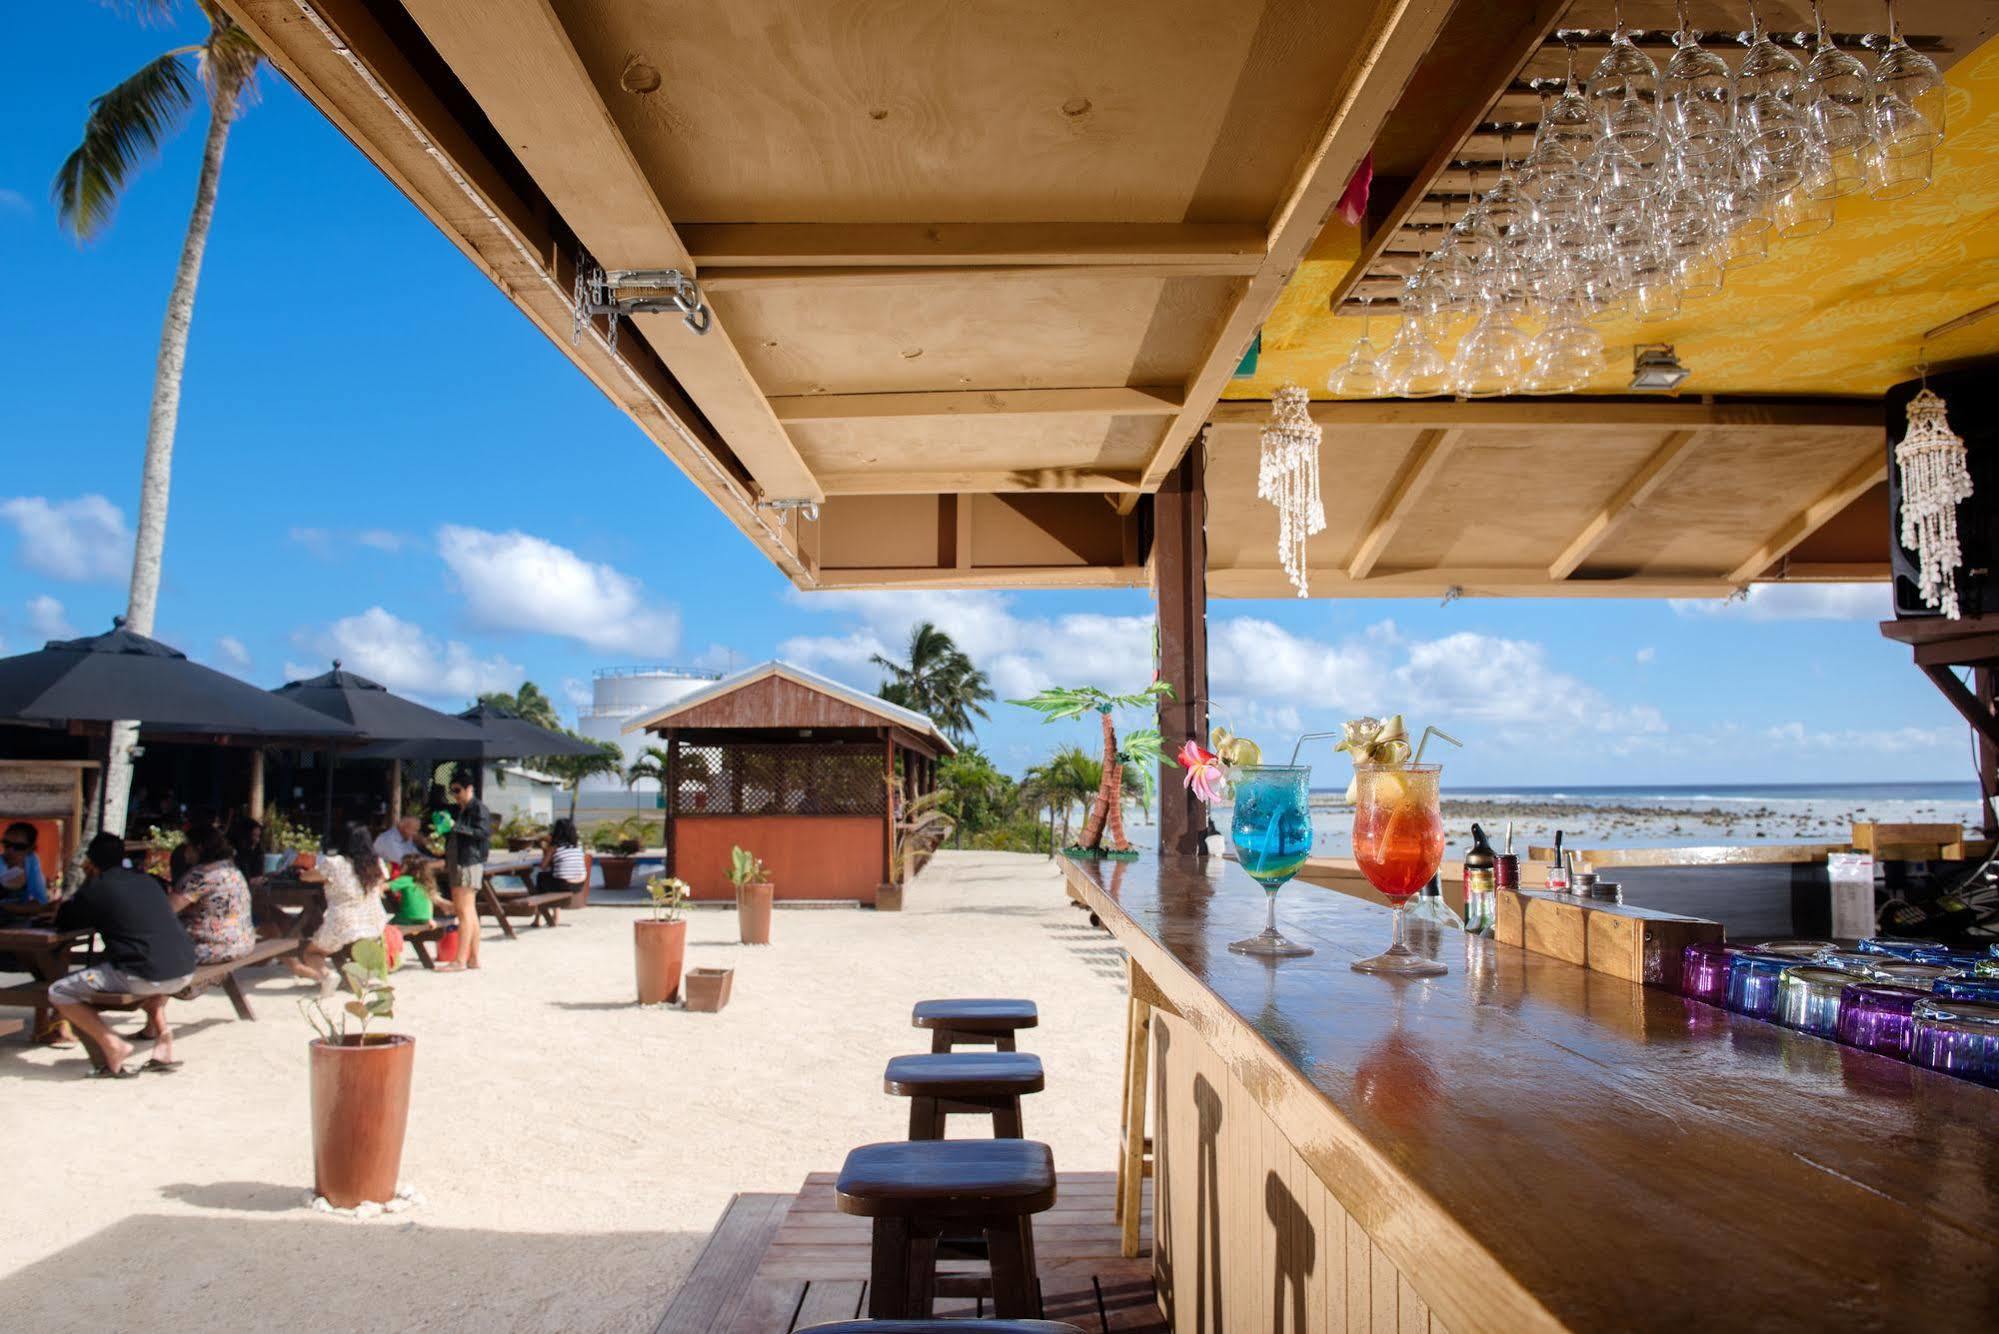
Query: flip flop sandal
point(106, 1072)
point(164, 1067)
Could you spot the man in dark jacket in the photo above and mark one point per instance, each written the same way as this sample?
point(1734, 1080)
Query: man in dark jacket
point(146, 954)
point(466, 846)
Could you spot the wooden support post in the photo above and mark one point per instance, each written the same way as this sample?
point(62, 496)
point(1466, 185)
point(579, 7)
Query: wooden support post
point(888, 807)
point(395, 790)
point(1179, 571)
point(256, 802)
point(1984, 680)
point(670, 796)
point(1132, 1165)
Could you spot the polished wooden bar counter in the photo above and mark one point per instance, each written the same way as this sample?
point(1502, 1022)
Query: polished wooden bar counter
point(1522, 1144)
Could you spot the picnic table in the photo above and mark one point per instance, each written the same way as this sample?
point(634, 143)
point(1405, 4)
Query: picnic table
point(45, 952)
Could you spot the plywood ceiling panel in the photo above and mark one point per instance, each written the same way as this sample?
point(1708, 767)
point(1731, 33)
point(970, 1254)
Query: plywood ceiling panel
point(978, 444)
point(975, 333)
point(1738, 488)
point(1355, 469)
point(908, 110)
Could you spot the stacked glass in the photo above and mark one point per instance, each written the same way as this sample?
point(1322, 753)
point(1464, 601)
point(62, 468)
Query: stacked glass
point(1640, 191)
point(1808, 999)
point(1879, 1017)
point(1957, 1037)
point(1752, 983)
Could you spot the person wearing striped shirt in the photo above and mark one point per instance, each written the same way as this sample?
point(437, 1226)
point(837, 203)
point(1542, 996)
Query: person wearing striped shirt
point(562, 865)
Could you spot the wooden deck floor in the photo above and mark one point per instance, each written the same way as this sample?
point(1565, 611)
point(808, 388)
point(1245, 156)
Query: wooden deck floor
point(778, 1263)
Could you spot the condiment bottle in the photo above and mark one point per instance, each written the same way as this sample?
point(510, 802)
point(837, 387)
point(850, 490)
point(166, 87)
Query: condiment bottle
point(1509, 865)
point(1558, 870)
point(1481, 885)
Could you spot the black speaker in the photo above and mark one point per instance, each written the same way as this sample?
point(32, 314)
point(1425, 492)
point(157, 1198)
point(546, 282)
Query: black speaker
point(1972, 394)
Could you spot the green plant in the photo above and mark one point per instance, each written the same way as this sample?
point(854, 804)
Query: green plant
point(281, 835)
point(519, 826)
point(746, 869)
point(366, 977)
point(164, 840)
point(938, 681)
point(619, 838)
point(668, 895)
point(923, 827)
point(1142, 748)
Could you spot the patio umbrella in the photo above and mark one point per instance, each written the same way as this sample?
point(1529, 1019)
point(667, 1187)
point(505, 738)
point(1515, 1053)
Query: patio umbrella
point(122, 675)
point(379, 715)
point(501, 735)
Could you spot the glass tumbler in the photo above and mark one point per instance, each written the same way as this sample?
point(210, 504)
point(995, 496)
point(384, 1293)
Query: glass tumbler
point(1958, 1038)
point(1879, 1017)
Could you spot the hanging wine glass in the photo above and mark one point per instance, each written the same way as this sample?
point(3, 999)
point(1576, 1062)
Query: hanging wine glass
point(1624, 94)
point(1700, 274)
point(1698, 95)
point(1807, 209)
point(1411, 366)
point(1769, 120)
point(1838, 95)
point(1358, 376)
point(1489, 360)
point(1566, 354)
point(1566, 142)
point(1909, 97)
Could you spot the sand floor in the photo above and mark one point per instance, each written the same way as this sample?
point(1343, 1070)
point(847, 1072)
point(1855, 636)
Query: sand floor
point(574, 1150)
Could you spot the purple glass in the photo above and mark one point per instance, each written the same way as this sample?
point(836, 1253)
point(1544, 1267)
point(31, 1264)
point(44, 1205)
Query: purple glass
point(1704, 971)
point(1985, 989)
point(1878, 1017)
point(1958, 1038)
point(1752, 983)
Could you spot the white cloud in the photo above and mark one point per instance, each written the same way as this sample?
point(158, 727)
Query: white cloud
point(1647, 654)
point(1876, 740)
point(230, 652)
point(577, 691)
point(47, 620)
point(381, 539)
point(81, 539)
point(325, 543)
point(512, 581)
point(397, 654)
point(1509, 682)
point(1797, 602)
point(16, 203)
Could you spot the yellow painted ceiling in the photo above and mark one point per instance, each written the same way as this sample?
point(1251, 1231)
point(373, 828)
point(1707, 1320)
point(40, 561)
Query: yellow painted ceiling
point(1838, 313)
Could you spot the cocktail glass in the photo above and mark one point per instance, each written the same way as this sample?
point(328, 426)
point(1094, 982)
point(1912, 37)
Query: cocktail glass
point(1398, 839)
point(1272, 831)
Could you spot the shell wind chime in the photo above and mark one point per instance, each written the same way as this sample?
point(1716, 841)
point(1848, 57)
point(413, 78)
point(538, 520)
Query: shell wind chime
point(1288, 477)
point(1935, 482)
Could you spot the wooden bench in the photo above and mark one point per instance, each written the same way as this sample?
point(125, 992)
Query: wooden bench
point(543, 907)
point(206, 976)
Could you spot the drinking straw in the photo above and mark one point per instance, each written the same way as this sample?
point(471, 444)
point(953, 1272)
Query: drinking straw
point(1509, 838)
point(1429, 732)
point(1309, 736)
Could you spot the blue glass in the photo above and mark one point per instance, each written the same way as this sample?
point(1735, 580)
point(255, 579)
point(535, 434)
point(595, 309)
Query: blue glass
point(1752, 983)
point(1271, 827)
point(1968, 988)
point(1958, 1037)
point(1923, 951)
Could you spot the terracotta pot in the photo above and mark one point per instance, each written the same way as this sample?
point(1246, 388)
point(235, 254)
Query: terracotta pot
point(360, 1109)
point(658, 948)
point(708, 988)
point(753, 912)
point(305, 861)
point(617, 872)
point(519, 844)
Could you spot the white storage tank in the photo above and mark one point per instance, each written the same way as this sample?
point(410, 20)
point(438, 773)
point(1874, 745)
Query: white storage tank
point(618, 694)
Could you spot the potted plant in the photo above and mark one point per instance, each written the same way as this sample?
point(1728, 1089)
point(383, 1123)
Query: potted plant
point(360, 1085)
point(160, 845)
point(617, 844)
point(520, 833)
point(289, 842)
point(1141, 749)
point(754, 893)
point(659, 943)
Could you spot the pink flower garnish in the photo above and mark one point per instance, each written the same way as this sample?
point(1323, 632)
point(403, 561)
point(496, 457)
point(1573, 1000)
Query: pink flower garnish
point(1204, 771)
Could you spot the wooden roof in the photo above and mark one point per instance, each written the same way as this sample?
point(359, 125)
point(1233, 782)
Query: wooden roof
point(980, 274)
point(783, 696)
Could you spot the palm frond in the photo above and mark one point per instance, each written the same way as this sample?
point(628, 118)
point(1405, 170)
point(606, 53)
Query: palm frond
point(126, 128)
point(1059, 702)
point(147, 11)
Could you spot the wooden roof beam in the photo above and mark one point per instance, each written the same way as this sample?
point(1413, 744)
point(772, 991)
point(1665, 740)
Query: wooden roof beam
point(518, 64)
point(1627, 501)
point(1535, 414)
point(1399, 33)
point(1191, 247)
point(1422, 467)
point(1113, 401)
point(1265, 581)
point(898, 482)
point(1856, 483)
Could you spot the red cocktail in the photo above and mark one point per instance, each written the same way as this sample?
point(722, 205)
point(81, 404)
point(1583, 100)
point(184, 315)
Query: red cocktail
point(1398, 839)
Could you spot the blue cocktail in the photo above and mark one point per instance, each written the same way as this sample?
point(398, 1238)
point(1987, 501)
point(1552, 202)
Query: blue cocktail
point(1272, 832)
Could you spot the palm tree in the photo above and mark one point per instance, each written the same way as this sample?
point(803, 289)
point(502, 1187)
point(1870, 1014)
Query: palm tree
point(125, 128)
point(938, 681)
point(1141, 748)
point(529, 704)
point(573, 769)
point(1066, 778)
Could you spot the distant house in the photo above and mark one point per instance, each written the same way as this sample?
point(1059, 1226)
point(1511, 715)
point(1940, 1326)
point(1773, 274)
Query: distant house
point(798, 769)
point(510, 790)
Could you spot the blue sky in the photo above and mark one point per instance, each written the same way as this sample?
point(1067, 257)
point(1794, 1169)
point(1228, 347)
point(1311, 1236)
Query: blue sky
point(380, 458)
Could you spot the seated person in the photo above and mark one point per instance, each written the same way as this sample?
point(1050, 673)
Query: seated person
point(146, 954)
point(213, 901)
point(24, 891)
point(354, 877)
point(412, 903)
point(397, 845)
point(562, 861)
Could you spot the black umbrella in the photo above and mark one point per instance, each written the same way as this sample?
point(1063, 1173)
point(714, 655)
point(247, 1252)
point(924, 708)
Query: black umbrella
point(501, 735)
point(381, 716)
point(122, 675)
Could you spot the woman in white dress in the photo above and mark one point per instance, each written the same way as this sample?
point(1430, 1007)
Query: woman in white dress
point(354, 878)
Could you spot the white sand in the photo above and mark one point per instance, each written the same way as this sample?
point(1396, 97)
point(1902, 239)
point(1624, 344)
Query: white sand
point(574, 1151)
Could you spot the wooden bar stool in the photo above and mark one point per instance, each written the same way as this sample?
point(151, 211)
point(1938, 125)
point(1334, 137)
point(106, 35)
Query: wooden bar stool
point(974, 1022)
point(942, 1327)
point(981, 1083)
point(916, 1190)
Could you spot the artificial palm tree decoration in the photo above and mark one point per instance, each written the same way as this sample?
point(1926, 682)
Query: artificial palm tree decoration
point(938, 681)
point(1141, 748)
point(125, 129)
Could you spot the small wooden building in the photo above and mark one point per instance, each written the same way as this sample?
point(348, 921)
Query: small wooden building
point(798, 769)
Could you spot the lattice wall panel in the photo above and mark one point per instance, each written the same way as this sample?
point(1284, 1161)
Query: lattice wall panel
point(779, 780)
